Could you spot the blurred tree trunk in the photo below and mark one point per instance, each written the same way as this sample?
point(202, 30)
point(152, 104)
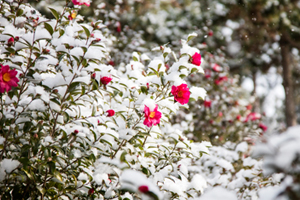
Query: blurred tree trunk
point(290, 115)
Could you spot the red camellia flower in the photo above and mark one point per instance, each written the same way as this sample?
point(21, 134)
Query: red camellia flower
point(152, 118)
point(8, 78)
point(105, 79)
point(81, 2)
point(10, 41)
point(263, 127)
point(207, 103)
point(110, 113)
point(181, 93)
point(144, 188)
point(91, 191)
point(196, 59)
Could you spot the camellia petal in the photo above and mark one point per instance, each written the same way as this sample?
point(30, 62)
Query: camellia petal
point(152, 118)
point(181, 93)
point(8, 78)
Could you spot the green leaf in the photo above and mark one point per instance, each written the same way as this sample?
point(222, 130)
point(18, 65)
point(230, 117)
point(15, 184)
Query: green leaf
point(87, 32)
point(54, 13)
point(194, 70)
point(144, 90)
point(49, 28)
point(19, 12)
point(122, 157)
point(135, 58)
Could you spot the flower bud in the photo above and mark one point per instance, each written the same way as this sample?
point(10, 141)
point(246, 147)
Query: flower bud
point(110, 113)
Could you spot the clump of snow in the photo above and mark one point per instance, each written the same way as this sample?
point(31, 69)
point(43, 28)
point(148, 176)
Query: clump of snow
point(218, 193)
point(9, 164)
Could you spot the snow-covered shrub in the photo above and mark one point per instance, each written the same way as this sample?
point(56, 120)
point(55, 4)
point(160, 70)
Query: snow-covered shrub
point(72, 126)
point(281, 155)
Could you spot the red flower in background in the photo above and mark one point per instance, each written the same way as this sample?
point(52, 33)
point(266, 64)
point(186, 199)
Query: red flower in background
point(105, 79)
point(181, 93)
point(81, 2)
point(196, 59)
point(110, 113)
point(217, 68)
point(8, 78)
point(207, 103)
point(207, 73)
point(263, 127)
point(253, 116)
point(144, 188)
point(152, 118)
point(221, 79)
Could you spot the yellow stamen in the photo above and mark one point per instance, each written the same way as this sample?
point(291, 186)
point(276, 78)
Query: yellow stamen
point(6, 77)
point(73, 15)
point(152, 114)
point(180, 94)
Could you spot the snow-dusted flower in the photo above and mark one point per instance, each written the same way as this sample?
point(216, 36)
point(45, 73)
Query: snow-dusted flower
point(196, 59)
point(263, 127)
point(81, 2)
point(253, 116)
point(10, 41)
point(110, 113)
point(152, 118)
point(181, 93)
point(8, 78)
point(105, 79)
point(217, 68)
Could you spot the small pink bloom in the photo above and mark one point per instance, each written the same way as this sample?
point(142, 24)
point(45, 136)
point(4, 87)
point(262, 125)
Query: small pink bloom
point(207, 103)
point(217, 68)
point(93, 76)
point(110, 113)
point(167, 67)
point(263, 127)
point(249, 107)
point(148, 86)
point(10, 41)
point(210, 33)
point(152, 118)
point(196, 59)
point(220, 114)
point(254, 116)
point(8, 78)
point(118, 25)
point(239, 117)
point(81, 2)
point(181, 93)
point(144, 188)
point(76, 131)
point(105, 79)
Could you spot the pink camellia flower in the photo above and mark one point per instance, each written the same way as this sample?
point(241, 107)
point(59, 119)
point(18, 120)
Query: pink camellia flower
point(196, 59)
point(263, 127)
point(181, 93)
point(110, 113)
point(10, 41)
point(8, 78)
point(144, 189)
point(207, 103)
point(254, 116)
point(81, 2)
point(217, 68)
point(105, 79)
point(152, 118)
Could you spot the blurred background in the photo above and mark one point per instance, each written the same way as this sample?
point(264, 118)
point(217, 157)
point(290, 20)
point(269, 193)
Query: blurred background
point(250, 51)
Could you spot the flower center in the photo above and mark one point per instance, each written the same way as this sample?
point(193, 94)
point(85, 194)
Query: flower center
point(6, 77)
point(152, 114)
point(180, 94)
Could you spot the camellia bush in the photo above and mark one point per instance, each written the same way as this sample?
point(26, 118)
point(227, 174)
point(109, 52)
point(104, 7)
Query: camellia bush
point(74, 127)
